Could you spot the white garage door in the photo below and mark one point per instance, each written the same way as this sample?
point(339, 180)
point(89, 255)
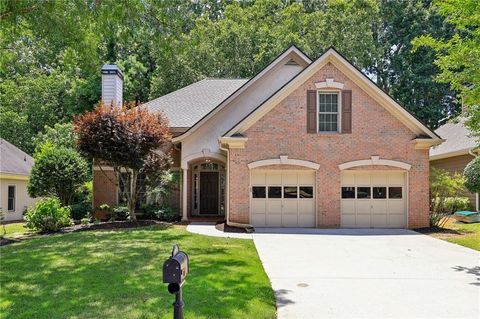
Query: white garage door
point(373, 199)
point(281, 198)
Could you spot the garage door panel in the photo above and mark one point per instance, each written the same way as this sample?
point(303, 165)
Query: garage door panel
point(305, 178)
point(274, 220)
point(396, 178)
point(274, 207)
point(379, 206)
point(294, 208)
point(258, 219)
point(396, 220)
point(290, 207)
point(259, 206)
point(348, 220)
point(363, 207)
point(363, 220)
point(348, 206)
point(289, 178)
point(380, 220)
point(380, 210)
point(306, 220)
point(274, 178)
point(258, 178)
point(290, 220)
point(306, 206)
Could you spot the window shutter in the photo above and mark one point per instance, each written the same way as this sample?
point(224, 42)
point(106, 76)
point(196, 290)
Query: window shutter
point(347, 111)
point(311, 111)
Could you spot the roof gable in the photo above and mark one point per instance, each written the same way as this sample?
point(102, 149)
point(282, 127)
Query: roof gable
point(14, 160)
point(366, 84)
point(297, 57)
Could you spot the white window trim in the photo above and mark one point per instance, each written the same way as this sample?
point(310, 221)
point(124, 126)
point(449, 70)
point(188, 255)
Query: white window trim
point(339, 111)
point(14, 197)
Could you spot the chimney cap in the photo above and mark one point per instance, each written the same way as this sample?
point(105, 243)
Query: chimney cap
point(112, 69)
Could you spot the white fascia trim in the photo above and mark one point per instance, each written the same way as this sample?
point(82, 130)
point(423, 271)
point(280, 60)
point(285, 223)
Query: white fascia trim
point(350, 71)
point(450, 154)
point(375, 160)
point(19, 177)
point(284, 160)
point(205, 153)
point(292, 49)
point(329, 83)
point(426, 143)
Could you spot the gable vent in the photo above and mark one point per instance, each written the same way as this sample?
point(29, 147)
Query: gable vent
point(291, 62)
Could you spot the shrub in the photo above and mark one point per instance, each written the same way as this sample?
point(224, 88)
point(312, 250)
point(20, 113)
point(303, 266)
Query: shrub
point(472, 175)
point(161, 212)
point(48, 215)
point(443, 185)
point(119, 213)
point(85, 221)
point(80, 210)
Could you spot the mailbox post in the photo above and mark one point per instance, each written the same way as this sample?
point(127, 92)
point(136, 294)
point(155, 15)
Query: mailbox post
point(175, 270)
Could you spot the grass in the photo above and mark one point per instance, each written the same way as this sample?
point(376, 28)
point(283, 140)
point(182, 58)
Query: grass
point(118, 274)
point(13, 230)
point(467, 235)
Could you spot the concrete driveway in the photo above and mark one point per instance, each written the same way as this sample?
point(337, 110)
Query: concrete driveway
point(349, 273)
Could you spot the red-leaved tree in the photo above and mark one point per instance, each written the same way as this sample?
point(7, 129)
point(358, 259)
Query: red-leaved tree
point(132, 141)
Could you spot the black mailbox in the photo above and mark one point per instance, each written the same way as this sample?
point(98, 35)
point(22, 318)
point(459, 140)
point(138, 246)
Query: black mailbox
point(175, 269)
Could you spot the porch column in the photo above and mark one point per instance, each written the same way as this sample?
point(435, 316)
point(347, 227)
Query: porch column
point(184, 194)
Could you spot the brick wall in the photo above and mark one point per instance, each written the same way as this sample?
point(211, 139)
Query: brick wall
point(375, 131)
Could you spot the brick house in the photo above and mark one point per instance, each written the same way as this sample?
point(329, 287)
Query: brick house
point(301, 144)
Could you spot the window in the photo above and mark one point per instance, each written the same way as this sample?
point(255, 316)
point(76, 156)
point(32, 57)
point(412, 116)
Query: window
point(328, 111)
point(274, 192)
point(290, 192)
point(124, 191)
point(11, 198)
point(363, 192)
point(306, 192)
point(379, 192)
point(259, 192)
point(348, 192)
point(395, 192)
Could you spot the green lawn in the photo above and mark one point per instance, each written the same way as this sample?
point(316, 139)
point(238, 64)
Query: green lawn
point(13, 230)
point(469, 234)
point(118, 274)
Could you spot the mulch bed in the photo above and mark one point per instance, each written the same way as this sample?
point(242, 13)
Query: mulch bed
point(6, 241)
point(437, 230)
point(222, 226)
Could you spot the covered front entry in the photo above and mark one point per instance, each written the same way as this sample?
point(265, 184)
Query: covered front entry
point(282, 198)
point(208, 189)
point(373, 199)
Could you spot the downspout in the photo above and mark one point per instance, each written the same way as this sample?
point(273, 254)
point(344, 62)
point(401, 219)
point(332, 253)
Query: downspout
point(227, 195)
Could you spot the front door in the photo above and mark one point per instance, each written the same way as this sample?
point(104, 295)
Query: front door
point(208, 193)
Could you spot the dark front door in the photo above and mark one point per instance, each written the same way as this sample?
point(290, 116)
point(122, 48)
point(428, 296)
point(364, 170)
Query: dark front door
point(208, 193)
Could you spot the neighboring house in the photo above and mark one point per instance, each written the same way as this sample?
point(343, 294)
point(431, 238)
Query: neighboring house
point(301, 144)
point(458, 150)
point(15, 166)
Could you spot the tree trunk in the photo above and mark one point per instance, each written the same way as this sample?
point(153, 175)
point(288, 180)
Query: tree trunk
point(132, 201)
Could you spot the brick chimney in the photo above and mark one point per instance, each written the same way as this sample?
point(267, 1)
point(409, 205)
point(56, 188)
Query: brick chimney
point(112, 85)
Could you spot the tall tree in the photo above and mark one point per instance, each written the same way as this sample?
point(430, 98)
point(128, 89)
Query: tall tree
point(458, 56)
point(129, 141)
point(409, 75)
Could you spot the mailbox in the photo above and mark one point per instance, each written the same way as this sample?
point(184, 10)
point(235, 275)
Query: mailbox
point(175, 269)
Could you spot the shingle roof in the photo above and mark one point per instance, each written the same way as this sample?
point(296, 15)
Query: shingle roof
point(187, 106)
point(457, 138)
point(13, 160)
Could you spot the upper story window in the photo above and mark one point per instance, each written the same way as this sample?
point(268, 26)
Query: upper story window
point(328, 111)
